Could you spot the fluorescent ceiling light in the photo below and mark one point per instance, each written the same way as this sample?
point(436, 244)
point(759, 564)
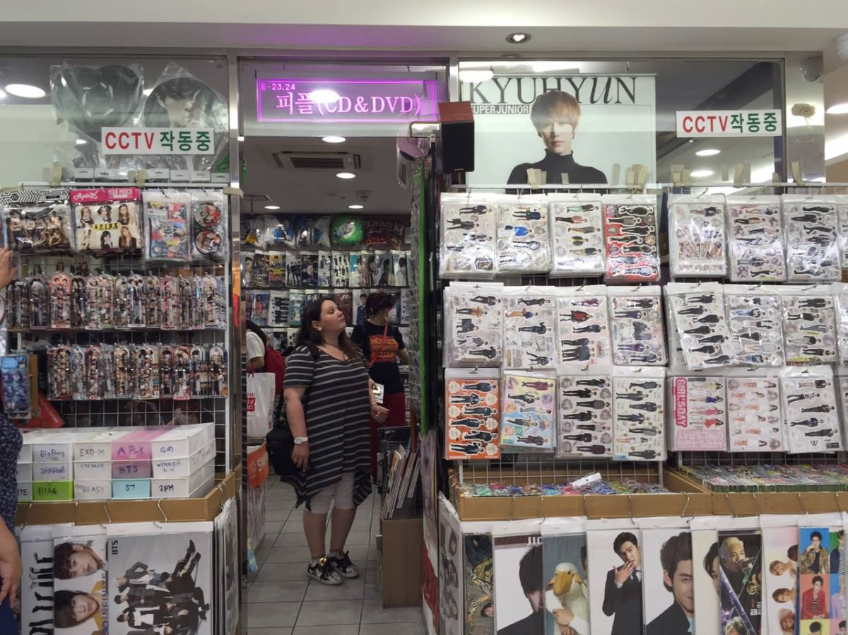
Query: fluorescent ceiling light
point(518, 38)
point(2, 95)
point(81, 142)
point(550, 67)
point(699, 174)
point(146, 92)
point(272, 207)
point(838, 109)
point(356, 207)
point(346, 175)
point(333, 139)
point(708, 152)
point(241, 138)
point(323, 96)
point(476, 77)
point(25, 90)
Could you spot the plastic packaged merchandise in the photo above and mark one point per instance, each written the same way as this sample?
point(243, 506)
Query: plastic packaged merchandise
point(631, 239)
point(469, 233)
point(755, 421)
point(809, 324)
point(313, 232)
point(583, 329)
point(639, 414)
point(210, 225)
point(473, 324)
point(585, 416)
point(811, 224)
point(17, 398)
point(810, 410)
point(529, 331)
point(473, 412)
point(842, 214)
point(524, 243)
point(636, 326)
point(690, 428)
point(696, 232)
point(279, 231)
point(755, 239)
point(755, 320)
point(698, 312)
point(167, 228)
point(577, 235)
point(109, 219)
point(37, 221)
point(529, 411)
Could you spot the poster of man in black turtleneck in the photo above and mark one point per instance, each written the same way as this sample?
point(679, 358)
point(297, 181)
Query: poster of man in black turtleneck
point(556, 116)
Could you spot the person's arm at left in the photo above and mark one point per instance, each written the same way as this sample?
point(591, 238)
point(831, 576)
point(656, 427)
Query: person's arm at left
point(10, 563)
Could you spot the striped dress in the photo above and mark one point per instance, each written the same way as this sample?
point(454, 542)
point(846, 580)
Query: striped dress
point(337, 422)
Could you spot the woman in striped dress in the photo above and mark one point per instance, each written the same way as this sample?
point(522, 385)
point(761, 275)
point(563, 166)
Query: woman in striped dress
point(329, 403)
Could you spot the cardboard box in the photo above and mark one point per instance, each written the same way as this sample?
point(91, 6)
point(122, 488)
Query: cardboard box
point(182, 487)
point(403, 547)
point(93, 490)
point(182, 442)
point(52, 472)
point(131, 488)
point(173, 468)
point(98, 447)
point(94, 471)
point(132, 469)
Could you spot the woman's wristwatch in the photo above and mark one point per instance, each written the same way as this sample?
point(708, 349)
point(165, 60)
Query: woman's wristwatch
point(301, 440)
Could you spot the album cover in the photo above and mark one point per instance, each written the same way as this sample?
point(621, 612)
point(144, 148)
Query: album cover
point(278, 314)
point(740, 567)
point(260, 269)
point(37, 583)
point(309, 270)
point(566, 582)
point(519, 596)
point(479, 596)
point(340, 269)
point(162, 578)
point(276, 269)
point(450, 570)
point(80, 602)
point(259, 307)
point(780, 568)
point(616, 559)
point(667, 574)
point(344, 300)
point(705, 575)
point(324, 268)
point(246, 258)
point(293, 277)
point(356, 270)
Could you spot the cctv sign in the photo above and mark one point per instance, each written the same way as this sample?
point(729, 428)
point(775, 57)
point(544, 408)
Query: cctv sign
point(134, 141)
point(729, 123)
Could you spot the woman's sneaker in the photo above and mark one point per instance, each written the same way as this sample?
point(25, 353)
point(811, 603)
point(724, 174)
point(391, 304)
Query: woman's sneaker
point(324, 572)
point(342, 564)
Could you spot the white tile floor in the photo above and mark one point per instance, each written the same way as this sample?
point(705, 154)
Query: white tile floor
point(282, 600)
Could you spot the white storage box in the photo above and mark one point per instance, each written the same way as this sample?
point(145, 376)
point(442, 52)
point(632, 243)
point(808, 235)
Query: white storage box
point(98, 447)
point(183, 441)
point(24, 492)
point(52, 472)
point(93, 471)
point(93, 490)
point(182, 487)
point(181, 468)
point(58, 447)
point(25, 472)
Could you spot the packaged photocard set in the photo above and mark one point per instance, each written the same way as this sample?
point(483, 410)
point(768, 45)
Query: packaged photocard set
point(524, 245)
point(583, 329)
point(529, 328)
point(696, 235)
point(636, 326)
point(809, 324)
point(107, 220)
point(698, 414)
point(474, 314)
point(469, 225)
point(812, 238)
point(529, 411)
point(698, 313)
point(632, 239)
point(639, 414)
point(810, 409)
point(473, 412)
point(755, 239)
point(754, 412)
point(755, 319)
point(585, 424)
point(577, 235)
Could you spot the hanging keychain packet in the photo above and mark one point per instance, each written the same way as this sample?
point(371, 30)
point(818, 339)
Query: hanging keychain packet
point(636, 326)
point(469, 235)
point(577, 235)
point(811, 225)
point(210, 221)
point(755, 319)
point(107, 219)
point(696, 234)
point(639, 414)
point(811, 416)
point(809, 324)
point(473, 324)
point(584, 424)
point(631, 239)
point(524, 242)
point(529, 329)
point(755, 239)
point(529, 411)
point(583, 329)
point(472, 414)
point(698, 312)
point(167, 226)
point(754, 412)
point(37, 221)
point(698, 407)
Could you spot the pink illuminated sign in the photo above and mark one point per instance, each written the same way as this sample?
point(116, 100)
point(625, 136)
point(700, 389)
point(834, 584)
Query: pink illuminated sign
point(346, 100)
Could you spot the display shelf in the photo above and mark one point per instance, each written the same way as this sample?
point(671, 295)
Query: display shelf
point(132, 511)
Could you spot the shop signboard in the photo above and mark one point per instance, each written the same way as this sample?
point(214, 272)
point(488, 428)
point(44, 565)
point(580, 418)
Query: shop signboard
point(346, 100)
point(578, 129)
point(138, 141)
point(729, 123)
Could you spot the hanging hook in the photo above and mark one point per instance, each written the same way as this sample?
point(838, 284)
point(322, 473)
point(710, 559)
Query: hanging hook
point(801, 503)
point(632, 513)
point(686, 506)
point(730, 504)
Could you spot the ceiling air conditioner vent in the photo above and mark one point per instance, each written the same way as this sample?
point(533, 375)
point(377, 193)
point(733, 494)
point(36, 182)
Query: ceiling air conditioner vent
point(318, 161)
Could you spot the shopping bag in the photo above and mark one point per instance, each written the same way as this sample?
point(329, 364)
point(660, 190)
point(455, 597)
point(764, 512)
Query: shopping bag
point(259, 404)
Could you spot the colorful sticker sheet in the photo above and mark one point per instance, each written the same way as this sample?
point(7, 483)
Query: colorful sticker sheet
point(529, 328)
point(755, 239)
point(469, 229)
point(740, 570)
point(691, 429)
point(473, 412)
point(638, 414)
point(809, 324)
point(754, 316)
point(810, 410)
point(755, 423)
point(697, 236)
point(577, 235)
point(630, 229)
point(473, 324)
point(583, 333)
point(698, 311)
point(529, 411)
point(524, 244)
point(167, 226)
point(636, 323)
point(585, 416)
point(108, 219)
point(812, 239)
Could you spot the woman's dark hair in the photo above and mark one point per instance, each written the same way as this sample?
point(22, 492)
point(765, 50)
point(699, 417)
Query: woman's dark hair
point(312, 313)
point(379, 301)
point(64, 611)
point(252, 326)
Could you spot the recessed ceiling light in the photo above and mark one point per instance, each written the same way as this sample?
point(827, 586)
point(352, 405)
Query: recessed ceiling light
point(708, 152)
point(81, 142)
point(838, 109)
point(699, 174)
point(323, 96)
point(518, 38)
point(333, 139)
point(241, 138)
point(25, 90)
point(356, 207)
point(272, 207)
point(146, 92)
point(346, 175)
point(2, 95)
point(476, 76)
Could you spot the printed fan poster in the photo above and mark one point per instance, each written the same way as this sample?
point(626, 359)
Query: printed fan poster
point(705, 574)
point(566, 583)
point(519, 596)
point(615, 581)
point(479, 596)
point(450, 570)
point(820, 587)
point(667, 581)
point(80, 603)
point(780, 569)
point(586, 127)
point(37, 583)
point(740, 569)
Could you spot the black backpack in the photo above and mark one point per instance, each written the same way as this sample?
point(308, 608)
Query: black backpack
point(280, 440)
